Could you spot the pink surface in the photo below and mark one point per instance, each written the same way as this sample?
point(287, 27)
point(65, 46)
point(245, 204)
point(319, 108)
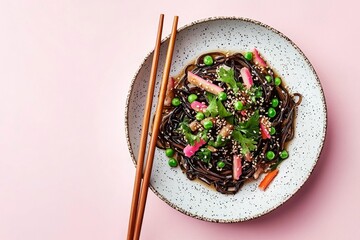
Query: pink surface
point(65, 69)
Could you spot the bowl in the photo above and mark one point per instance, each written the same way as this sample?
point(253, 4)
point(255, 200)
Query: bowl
point(233, 34)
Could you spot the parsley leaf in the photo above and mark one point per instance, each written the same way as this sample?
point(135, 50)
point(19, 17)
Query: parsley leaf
point(255, 92)
point(212, 109)
point(185, 129)
point(247, 133)
point(189, 136)
point(240, 86)
point(219, 142)
point(228, 76)
point(222, 110)
point(251, 127)
point(184, 126)
point(215, 107)
point(203, 135)
point(231, 120)
point(247, 144)
point(204, 154)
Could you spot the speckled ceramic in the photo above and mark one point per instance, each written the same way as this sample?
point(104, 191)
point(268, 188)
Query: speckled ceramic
point(235, 34)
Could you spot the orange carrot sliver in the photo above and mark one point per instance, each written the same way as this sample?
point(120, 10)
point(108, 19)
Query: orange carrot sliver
point(268, 179)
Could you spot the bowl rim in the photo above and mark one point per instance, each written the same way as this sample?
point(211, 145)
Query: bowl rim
point(320, 148)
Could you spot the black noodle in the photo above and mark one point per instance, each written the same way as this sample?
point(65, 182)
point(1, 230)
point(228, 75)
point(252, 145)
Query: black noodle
point(283, 122)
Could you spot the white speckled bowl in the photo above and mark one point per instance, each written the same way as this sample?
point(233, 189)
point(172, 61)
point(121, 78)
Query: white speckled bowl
point(235, 34)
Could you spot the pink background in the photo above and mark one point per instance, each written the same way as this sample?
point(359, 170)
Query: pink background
point(65, 69)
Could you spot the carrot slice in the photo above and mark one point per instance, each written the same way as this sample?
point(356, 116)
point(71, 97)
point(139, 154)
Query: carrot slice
point(268, 179)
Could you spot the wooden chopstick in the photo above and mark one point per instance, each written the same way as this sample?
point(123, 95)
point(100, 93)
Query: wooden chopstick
point(144, 132)
point(155, 131)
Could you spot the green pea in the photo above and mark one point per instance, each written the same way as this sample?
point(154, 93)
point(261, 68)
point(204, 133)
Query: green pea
point(172, 162)
point(222, 96)
point(239, 105)
point(275, 102)
point(284, 154)
point(270, 155)
point(277, 81)
point(169, 152)
point(268, 78)
point(272, 131)
point(175, 102)
point(208, 60)
point(220, 164)
point(208, 124)
point(271, 112)
point(248, 56)
point(192, 98)
point(199, 116)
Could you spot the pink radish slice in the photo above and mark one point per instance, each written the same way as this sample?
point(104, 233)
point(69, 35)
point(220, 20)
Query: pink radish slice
point(198, 106)
point(264, 131)
point(258, 59)
point(191, 150)
point(246, 76)
point(169, 92)
point(203, 84)
point(237, 168)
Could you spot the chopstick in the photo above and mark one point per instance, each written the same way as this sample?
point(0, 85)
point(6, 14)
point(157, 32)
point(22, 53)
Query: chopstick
point(155, 131)
point(144, 132)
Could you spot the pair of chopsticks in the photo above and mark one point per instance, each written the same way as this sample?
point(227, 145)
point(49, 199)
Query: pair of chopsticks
point(141, 188)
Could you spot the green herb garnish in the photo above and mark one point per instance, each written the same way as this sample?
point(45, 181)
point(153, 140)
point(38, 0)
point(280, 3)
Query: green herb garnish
point(215, 107)
point(251, 127)
point(204, 154)
point(189, 136)
point(222, 110)
point(220, 142)
point(185, 129)
point(184, 126)
point(203, 135)
point(212, 109)
point(255, 92)
point(247, 133)
point(228, 76)
point(231, 120)
point(247, 144)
